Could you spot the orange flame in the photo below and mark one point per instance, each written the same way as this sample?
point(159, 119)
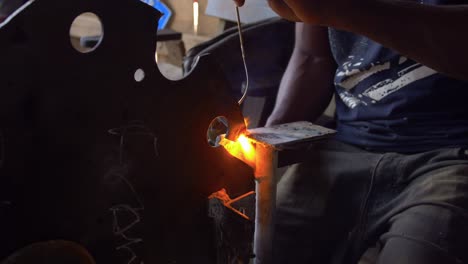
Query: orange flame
point(242, 149)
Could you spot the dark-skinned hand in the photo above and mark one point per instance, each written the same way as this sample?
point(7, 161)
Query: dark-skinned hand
point(309, 11)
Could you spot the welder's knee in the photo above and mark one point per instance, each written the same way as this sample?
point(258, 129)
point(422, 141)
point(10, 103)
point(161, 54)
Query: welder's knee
point(426, 234)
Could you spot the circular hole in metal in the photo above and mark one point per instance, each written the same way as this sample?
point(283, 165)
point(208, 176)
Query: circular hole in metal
point(218, 126)
point(86, 32)
point(139, 75)
point(169, 59)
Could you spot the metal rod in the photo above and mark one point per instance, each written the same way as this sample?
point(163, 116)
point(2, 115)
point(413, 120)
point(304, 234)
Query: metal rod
point(241, 40)
point(265, 189)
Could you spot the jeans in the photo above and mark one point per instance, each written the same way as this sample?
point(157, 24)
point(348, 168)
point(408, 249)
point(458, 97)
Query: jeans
point(343, 200)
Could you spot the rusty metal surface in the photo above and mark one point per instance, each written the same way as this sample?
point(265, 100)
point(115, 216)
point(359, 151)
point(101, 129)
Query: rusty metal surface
point(234, 223)
point(89, 155)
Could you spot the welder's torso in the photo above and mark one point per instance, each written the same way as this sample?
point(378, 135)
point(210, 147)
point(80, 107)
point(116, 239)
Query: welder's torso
point(387, 102)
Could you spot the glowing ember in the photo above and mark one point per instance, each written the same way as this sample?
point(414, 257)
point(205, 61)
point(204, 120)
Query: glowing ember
point(242, 149)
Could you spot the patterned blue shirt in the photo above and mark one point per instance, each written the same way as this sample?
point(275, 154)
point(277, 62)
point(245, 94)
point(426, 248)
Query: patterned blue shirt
point(387, 102)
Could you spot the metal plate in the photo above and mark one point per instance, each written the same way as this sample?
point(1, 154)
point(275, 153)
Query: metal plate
point(92, 156)
point(287, 135)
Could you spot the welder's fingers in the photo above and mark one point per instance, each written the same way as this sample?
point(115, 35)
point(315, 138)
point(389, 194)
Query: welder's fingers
point(309, 11)
point(282, 9)
point(239, 2)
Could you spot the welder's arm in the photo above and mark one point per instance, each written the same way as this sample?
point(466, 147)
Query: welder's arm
point(433, 35)
point(307, 85)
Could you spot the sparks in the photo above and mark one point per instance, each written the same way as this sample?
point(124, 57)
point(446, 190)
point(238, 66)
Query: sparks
point(195, 16)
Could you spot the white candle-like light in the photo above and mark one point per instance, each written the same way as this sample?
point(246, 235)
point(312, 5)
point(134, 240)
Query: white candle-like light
point(195, 16)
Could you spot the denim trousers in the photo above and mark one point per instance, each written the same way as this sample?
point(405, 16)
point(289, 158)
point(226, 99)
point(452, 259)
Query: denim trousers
point(343, 200)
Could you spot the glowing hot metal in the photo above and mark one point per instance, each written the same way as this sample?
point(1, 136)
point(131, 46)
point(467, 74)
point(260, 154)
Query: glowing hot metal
point(243, 148)
point(196, 13)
